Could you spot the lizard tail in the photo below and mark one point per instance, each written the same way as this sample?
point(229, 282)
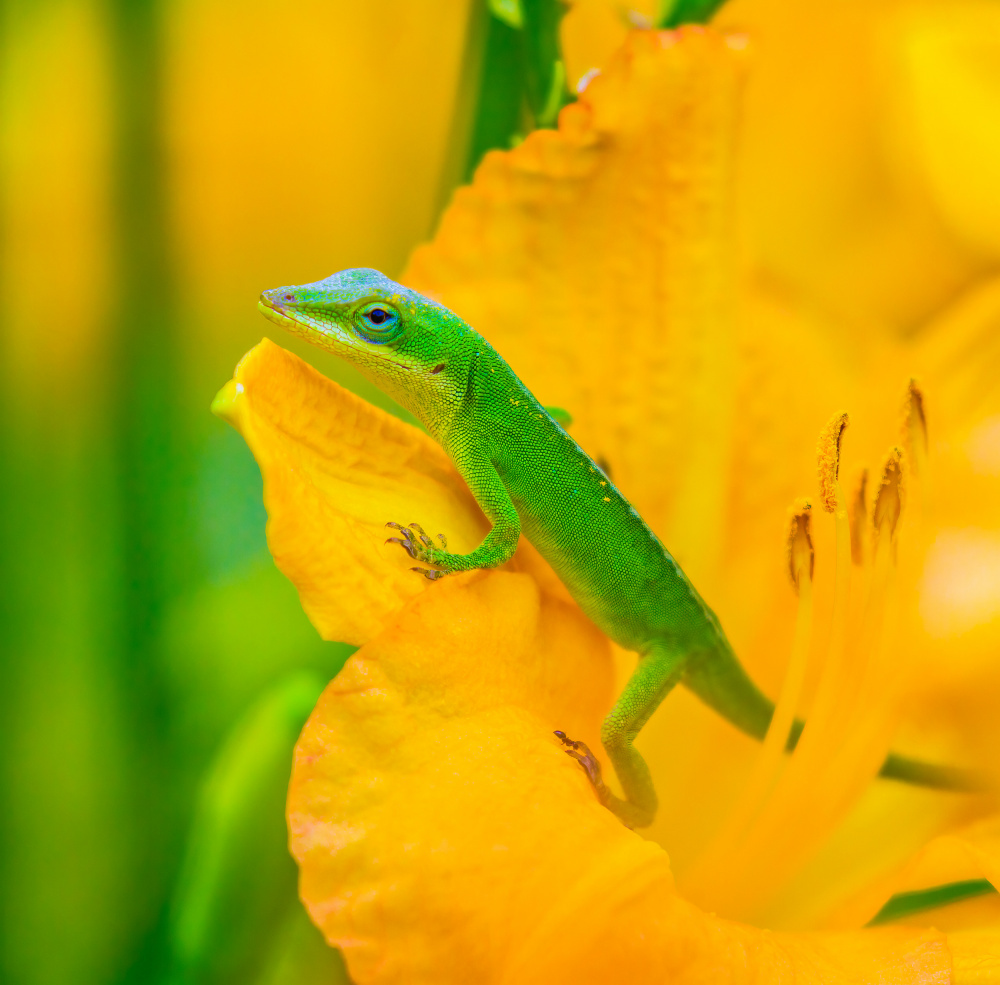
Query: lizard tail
point(720, 681)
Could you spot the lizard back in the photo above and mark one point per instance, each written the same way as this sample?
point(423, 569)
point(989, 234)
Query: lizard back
point(610, 560)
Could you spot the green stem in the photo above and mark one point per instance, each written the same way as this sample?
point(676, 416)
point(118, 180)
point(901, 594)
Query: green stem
point(544, 74)
point(237, 880)
point(673, 13)
point(148, 467)
point(498, 111)
point(514, 64)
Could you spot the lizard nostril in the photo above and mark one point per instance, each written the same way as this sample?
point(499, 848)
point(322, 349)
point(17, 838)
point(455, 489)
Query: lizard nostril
point(289, 297)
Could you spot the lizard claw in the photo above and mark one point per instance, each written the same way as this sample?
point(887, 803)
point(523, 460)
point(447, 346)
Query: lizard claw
point(420, 547)
point(420, 533)
point(406, 541)
point(429, 573)
point(582, 754)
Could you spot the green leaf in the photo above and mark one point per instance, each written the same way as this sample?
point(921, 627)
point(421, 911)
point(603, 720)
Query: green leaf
point(300, 956)
point(906, 904)
point(562, 417)
point(237, 880)
point(556, 97)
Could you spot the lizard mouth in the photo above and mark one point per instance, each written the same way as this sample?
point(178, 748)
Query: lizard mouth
point(276, 312)
point(273, 311)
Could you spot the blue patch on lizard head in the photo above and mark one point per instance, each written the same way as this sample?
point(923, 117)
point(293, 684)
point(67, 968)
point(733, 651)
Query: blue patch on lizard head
point(411, 346)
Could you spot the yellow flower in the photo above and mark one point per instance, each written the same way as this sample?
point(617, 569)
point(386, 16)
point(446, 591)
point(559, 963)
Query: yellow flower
point(442, 834)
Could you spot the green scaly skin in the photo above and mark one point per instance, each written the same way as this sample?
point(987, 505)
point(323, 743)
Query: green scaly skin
point(529, 476)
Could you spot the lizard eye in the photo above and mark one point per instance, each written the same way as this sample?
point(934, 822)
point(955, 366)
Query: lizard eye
point(378, 323)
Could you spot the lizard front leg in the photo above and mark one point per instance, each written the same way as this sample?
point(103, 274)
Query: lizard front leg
point(498, 545)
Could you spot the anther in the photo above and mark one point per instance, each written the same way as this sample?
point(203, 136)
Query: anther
point(914, 427)
point(889, 496)
point(828, 455)
point(799, 545)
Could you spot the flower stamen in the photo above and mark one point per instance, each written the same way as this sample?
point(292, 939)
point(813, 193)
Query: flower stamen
point(714, 873)
point(801, 556)
point(876, 671)
point(848, 726)
point(799, 546)
point(914, 428)
point(859, 518)
point(828, 461)
point(832, 683)
point(888, 498)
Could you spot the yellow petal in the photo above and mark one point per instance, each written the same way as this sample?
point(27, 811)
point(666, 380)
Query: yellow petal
point(650, 936)
point(598, 259)
point(443, 836)
point(952, 621)
point(975, 956)
point(335, 471)
point(431, 809)
point(591, 32)
point(970, 852)
point(957, 355)
point(826, 213)
point(947, 88)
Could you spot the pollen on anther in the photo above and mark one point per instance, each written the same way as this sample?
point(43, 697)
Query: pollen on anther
point(828, 460)
point(607, 499)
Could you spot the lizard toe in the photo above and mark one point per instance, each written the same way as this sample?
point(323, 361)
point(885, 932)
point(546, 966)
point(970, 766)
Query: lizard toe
point(429, 573)
point(419, 530)
point(580, 751)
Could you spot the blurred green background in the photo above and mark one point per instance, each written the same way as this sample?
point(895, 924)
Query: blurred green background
point(162, 163)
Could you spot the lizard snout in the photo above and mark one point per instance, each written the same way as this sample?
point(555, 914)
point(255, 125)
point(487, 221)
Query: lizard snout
point(277, 298)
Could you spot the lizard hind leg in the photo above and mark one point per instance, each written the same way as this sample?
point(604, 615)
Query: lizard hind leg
point(653, 679)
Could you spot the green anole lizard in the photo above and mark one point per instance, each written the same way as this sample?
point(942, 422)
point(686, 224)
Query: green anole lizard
point(529, 476)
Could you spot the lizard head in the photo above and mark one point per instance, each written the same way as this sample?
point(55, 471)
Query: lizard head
point(411, 347)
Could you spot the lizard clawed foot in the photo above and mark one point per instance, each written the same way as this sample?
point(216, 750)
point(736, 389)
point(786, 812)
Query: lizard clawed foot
point(420, 547)
point(629, 814)
point(582, 754)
